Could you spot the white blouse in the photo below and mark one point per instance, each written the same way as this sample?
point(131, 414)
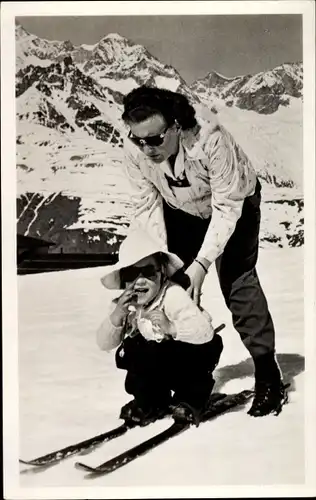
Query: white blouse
point(220, 177)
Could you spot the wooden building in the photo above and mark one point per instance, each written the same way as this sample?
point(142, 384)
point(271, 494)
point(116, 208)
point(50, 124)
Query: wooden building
point(33, 256)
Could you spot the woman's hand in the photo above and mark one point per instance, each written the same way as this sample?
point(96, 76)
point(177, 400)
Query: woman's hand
point(197, 275)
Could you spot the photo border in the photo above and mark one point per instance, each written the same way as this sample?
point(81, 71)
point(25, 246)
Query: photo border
point(9, 10)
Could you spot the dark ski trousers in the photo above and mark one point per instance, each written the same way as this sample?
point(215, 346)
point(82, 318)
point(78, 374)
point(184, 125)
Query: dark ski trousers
point(236, 269)
point(154, 369)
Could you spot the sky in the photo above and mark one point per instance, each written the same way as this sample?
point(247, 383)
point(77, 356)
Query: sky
point(193, 44)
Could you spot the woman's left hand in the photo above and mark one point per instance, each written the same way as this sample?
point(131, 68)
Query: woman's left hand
point(197, 275)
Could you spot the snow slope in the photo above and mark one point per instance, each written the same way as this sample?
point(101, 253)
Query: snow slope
point(69, 390)
point(274, 143)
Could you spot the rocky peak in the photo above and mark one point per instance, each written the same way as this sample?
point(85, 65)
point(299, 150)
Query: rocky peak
point(67, 45)
point(263, 92)
point(20, 31)
point(115, 50)
point(116, 37)
point(214, 78)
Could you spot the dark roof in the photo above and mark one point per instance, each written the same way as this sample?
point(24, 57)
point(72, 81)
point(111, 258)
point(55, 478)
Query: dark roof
point(29, 241)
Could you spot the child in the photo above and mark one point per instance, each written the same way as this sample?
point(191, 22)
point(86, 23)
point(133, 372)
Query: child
point(165, 342)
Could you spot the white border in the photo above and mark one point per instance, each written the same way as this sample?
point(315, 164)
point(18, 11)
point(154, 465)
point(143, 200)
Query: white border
point(10, 345)
point(310, 248)
point(132, 8)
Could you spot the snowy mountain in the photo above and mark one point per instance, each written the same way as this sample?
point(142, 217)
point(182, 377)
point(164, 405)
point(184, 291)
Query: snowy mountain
point(31, 49)
point(71, 186)
point(264, 92)
point(115, 61)
point(61, 97)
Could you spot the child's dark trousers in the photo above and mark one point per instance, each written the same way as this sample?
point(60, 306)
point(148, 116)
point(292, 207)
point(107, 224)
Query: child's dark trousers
point(155, 369)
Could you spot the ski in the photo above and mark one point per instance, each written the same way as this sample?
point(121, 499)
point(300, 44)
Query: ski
point(56, 456)
point(218, 407)
point(74, 449)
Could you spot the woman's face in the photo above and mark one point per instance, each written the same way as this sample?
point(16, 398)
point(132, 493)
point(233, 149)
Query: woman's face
point(154, 126)
point(146, 275)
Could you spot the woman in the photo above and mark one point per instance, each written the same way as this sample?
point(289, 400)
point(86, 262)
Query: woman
point(194, 188)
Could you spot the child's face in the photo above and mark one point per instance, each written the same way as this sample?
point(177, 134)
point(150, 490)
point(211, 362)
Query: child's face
point(146, 275)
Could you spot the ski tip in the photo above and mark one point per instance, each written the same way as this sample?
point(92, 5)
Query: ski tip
point(84, 467)
point(25, 462)
point(31, 463)
point(36, 463)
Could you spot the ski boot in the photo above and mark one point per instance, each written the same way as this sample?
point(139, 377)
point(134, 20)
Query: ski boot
point(191, 409)
point(270, 391)
point(269, 398)
point(186, 413)
point(133, 414)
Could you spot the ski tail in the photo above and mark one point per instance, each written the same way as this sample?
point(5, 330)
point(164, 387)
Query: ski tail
point(219, 328)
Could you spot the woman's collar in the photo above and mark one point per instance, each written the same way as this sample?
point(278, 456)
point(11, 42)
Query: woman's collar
point(194, 140)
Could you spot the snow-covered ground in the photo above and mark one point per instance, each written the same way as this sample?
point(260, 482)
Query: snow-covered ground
point(70, 390)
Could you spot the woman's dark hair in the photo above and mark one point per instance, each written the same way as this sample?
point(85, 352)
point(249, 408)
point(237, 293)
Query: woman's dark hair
point(143, 102)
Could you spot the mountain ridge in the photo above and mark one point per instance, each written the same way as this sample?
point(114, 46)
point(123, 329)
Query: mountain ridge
point(70, 135)
point(263, 92)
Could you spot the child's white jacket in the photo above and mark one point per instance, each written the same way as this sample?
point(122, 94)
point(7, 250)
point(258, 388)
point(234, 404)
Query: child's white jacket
point(192, 325)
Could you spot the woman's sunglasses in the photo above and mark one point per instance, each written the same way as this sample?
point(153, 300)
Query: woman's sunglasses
point(129, 274)
point(152, 140)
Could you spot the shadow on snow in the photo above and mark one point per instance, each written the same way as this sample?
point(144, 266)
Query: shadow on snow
point(290, 364)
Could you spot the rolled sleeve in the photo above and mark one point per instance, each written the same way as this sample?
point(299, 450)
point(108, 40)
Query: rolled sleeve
point(109, 336)
point(232, 178)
